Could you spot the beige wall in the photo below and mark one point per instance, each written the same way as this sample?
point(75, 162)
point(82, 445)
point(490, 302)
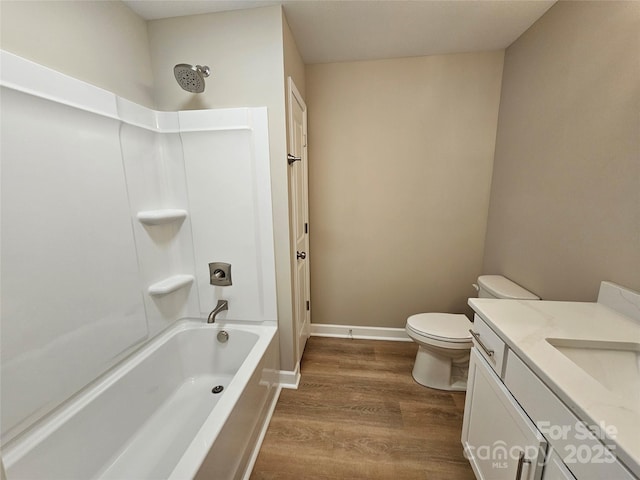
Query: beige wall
point(401, 155)
point(294, 68)
point(293, 64)
point(102, 43)
point(244, 50)
point(565, 200)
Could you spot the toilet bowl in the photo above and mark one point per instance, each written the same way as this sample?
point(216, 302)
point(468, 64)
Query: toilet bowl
point(444, 344)
point(444, 341)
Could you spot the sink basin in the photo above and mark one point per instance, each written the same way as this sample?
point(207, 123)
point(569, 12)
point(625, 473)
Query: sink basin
point(615, 365)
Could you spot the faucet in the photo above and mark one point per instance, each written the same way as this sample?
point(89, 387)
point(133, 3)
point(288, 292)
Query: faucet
point(222, 305)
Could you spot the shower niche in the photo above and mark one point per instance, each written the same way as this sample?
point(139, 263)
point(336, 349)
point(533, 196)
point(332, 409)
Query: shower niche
point(155, 218)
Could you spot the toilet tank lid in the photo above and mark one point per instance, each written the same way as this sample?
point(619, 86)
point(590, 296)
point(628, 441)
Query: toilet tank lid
point(502, 287)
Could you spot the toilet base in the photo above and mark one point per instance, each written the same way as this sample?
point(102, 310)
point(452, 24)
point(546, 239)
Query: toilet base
point(442, 372)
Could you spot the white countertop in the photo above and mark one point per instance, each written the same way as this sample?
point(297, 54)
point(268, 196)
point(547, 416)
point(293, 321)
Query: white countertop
point(526, 324)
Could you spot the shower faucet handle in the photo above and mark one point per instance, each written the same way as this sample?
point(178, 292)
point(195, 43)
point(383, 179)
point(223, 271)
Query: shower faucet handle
point(220, 274)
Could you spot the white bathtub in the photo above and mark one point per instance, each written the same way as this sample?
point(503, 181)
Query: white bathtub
point(154, 415)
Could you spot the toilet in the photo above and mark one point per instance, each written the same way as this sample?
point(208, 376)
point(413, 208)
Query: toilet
point(444, 340)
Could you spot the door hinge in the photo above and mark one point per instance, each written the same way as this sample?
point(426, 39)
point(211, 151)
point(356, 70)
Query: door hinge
point(306, 227)
point(308, 306)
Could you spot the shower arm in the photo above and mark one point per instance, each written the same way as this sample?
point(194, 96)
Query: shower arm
point(205, 70)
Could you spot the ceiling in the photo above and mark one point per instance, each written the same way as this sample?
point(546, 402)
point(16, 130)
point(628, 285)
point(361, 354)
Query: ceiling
point(349, 30)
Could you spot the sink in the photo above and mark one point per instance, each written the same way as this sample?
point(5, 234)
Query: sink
point(615, 365)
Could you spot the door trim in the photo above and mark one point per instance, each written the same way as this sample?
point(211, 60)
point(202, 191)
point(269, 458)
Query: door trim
point(293, 95)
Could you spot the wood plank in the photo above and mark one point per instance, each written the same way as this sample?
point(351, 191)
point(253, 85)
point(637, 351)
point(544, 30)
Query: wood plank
point(358, 414)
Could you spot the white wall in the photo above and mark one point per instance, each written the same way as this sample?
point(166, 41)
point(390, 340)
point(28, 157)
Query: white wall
point(155, 175)
point(101, 42)
point(71, 297)
point(227, 176)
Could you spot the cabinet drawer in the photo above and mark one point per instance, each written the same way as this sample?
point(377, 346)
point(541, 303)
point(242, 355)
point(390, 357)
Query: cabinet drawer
point(579, 449)
point(489, 345)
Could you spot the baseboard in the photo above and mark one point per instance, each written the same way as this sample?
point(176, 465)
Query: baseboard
point(364, 333)
point(290, 379)
point(263, 431)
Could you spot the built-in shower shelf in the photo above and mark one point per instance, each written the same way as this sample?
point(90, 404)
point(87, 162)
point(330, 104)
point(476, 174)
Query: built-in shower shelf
point(159, 217)
point(171, 284)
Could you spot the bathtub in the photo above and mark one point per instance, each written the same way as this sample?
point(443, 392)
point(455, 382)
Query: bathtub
point(154, 415)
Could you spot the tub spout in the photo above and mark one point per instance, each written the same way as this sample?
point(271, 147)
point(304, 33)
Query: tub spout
point(222, 305)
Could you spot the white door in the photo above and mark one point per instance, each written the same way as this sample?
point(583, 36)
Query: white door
point(299, 207)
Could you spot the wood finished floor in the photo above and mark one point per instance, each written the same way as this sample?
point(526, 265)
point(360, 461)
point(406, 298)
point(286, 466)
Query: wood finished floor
point(358, 414)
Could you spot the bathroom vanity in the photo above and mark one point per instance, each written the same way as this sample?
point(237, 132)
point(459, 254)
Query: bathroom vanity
point(554, 389)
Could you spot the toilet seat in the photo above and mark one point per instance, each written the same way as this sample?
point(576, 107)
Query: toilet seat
point(441, 329)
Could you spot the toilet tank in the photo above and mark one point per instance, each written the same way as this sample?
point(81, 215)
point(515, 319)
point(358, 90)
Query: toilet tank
point(497, 286)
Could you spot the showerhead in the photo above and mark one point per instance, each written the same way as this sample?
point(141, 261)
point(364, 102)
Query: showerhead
point(191, 78)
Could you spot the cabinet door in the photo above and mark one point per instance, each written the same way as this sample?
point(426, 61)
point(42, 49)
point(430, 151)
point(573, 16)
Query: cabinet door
point(581, 451)
point(555, 469)
point(499, 439)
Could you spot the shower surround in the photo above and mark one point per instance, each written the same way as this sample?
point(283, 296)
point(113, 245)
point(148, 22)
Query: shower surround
point(111, 213)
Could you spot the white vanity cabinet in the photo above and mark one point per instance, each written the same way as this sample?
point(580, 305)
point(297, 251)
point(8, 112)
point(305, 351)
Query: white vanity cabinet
point(499, 439)
point(578, 448)
point(516, 428)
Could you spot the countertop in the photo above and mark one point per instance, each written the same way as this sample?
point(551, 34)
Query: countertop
point(526, 324)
